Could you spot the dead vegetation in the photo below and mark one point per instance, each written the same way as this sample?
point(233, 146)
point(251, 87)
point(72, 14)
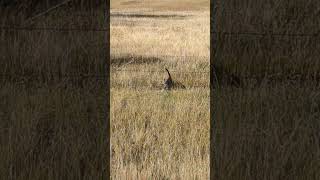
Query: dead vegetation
point(154, 133)
point(53, 98)
point(267, 128)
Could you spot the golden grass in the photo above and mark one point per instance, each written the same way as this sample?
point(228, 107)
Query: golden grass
point(186, 36)
point(160, 134)
point(157, 134)
point(161, 5)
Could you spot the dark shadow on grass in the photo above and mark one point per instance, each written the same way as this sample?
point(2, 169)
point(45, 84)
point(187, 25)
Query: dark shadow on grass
point(165, 16)
point(124, 60)
point(222, 78)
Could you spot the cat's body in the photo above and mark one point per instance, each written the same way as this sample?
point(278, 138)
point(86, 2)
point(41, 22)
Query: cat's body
point(170, 84)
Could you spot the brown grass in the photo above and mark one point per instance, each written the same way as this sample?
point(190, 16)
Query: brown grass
point(161, 5)
point(157, 134)
point(269, 129)
point(52, 120)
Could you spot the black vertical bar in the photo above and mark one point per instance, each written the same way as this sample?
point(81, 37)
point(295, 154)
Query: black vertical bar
point(214, 170)
point(107, 74)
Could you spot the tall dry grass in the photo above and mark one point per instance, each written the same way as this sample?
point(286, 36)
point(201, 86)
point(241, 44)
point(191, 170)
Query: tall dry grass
point(157, 134)
point(268, 128)
point(160, 135)
point(161, 5)
point(53, 98)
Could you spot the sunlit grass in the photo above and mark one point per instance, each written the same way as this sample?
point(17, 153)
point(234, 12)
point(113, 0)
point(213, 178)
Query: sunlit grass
point(158, 134)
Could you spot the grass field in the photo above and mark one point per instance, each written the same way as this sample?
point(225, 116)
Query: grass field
point(52, 115)
point(52, 106)
point(157, 134)
point(267, 128)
